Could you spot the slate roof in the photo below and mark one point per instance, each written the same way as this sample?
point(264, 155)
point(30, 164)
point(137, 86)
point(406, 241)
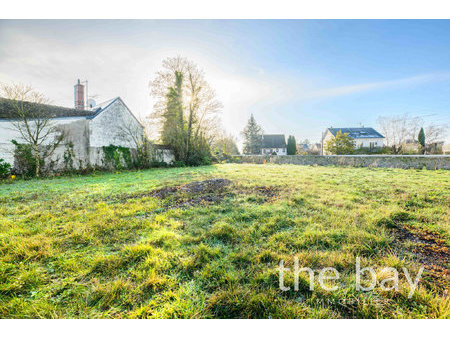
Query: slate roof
point(7, 110)
point(273, 141)
point(62, 112)
point(357, 132)
point(105, 104)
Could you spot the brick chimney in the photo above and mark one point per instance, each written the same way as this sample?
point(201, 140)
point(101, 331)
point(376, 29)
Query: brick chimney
point(79, 95)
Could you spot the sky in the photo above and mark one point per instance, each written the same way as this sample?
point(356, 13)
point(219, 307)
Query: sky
point(297, 77)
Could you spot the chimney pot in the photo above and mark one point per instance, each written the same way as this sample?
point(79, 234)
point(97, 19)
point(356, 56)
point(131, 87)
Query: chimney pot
point(79, 95)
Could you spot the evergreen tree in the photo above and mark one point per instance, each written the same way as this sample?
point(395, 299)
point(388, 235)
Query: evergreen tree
point(421, 139)
point(252, 134)
point(291, 145)
point(173, 131)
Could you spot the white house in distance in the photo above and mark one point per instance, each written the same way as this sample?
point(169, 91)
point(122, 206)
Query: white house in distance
point(87, 129)
point(363, 137)
point(273, 144)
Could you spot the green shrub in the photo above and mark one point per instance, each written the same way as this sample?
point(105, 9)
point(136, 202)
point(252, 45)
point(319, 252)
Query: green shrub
point(373, 151)
point(118, 157)
point(5, 168)
point(68, 157)
point(24, 159)
point(179, 164)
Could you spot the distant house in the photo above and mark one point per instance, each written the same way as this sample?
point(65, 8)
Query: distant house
point(309, 148)
point(303, 147)
point(363, 137)
point(273, 145)
point(316, 148)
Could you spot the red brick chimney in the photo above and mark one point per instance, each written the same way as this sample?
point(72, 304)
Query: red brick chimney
point(79, 95)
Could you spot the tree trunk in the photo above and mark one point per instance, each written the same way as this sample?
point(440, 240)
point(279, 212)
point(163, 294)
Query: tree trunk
point(36, 160)
point(189, 133)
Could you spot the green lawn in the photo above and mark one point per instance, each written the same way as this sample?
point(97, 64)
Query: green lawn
point(105, 245)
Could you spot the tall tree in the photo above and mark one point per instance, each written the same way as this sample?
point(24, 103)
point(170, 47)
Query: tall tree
point(291, 145)
point(31, 117)
point(421, 140)
point(186, 108)
point(174, 131)
point(252, 134)
point(341, 144)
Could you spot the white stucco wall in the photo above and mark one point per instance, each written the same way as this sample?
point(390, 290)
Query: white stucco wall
point(365, 142)
point(164, 155)
point(109, 127)
point(328, 136)
point(8, 133)
point(278, 151)
point(6, 147)
point(76, 134)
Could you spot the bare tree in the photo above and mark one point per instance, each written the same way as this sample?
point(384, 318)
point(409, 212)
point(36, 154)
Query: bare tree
point(200, 104)
point(398, 129)
point(435, 133)
point(32, 120)
point(401, 129)
point(226, 143)
point(134, 132)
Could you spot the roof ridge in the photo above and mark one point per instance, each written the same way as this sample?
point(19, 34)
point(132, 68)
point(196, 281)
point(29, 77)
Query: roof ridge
point(54, 111)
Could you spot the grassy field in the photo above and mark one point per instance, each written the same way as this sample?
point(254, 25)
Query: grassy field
point(115, 245)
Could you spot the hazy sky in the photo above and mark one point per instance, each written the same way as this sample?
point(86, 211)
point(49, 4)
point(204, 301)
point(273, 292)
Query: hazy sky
point(296, 77)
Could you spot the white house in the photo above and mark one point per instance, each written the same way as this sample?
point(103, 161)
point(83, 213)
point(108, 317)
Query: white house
point(363, 137)
point(273, 144)
point(87, 130)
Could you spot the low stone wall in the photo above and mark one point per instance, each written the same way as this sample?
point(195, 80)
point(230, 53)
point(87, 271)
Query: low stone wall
point(431, 162)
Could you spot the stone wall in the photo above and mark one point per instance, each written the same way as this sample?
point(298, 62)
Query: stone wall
point(431, 162)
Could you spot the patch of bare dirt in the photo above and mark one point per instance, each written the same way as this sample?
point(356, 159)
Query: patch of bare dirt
point(431, 250)
point(200, 193)
point(195, 193)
